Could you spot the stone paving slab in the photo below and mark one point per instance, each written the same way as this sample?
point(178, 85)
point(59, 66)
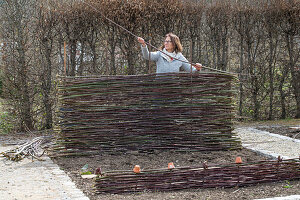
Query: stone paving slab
point(270, 144)
point(292, 197)
point(37, 180)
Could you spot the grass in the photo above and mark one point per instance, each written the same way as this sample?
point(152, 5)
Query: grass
point(5, 120)
point(282, 122)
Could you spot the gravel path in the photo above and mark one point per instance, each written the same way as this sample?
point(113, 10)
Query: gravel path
point(292, 197)
point(38, 180)
point(273, 145)
point(27, 180)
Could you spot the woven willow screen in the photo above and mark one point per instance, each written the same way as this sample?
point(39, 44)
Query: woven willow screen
point(146, 112)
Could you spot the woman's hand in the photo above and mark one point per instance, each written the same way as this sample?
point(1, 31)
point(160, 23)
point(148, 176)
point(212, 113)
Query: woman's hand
point(198, 66)
point(142, 41)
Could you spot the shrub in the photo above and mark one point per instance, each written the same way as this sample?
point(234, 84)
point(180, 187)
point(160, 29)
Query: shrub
point(6, 124)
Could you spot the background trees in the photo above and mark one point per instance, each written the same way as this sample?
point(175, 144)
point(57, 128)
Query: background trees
point(258, 40)
point(17, 63)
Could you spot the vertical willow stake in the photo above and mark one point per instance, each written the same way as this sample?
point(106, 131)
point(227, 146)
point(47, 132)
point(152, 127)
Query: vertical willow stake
point(238, 162)
point(191, 60)
point(191, 57)
point(65, 59)
point(149, 67)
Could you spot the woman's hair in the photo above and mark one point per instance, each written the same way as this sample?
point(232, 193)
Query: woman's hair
point(175, 41)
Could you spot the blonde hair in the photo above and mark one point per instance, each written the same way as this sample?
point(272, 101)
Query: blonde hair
point(175, 41)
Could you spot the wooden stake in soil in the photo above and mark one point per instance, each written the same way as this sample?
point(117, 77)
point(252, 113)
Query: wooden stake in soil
point(65, 58)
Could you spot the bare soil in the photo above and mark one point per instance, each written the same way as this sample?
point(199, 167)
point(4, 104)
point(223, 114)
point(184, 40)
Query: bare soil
point(160, 159)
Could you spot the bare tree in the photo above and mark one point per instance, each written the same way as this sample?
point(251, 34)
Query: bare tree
point(250, 28)
point(46, 35)
point(290, 26)
point(218, 20)
point(271, 20)
point(16, 16)
point(264, 36)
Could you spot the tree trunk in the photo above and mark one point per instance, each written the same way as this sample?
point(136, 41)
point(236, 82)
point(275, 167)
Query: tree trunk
point(94, 59)
point(255, 99)
point(241, 105)
point(224, 60)
point(47, 85)
point(130, 62)
point(72, 58)
point(293, 58)
point(199, 50)
point(112, 44)
point(113, 70)
point(81, 59)
point(130, 57)
point(254, 85)
point(192, 49)
point(26, 117)
point(272, 47)
point(282, 93)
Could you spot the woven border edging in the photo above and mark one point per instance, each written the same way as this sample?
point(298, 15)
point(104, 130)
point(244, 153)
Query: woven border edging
point(198, 177)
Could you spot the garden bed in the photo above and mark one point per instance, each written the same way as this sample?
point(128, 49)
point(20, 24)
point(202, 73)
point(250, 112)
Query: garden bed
point(160, 159)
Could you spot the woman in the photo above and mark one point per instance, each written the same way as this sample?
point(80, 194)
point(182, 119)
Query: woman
point(165, 62)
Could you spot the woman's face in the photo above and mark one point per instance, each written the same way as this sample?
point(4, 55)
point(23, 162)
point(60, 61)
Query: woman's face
point(169, 45)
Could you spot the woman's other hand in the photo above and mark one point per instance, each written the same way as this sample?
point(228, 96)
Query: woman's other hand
point(198, 66)
point(142, 41)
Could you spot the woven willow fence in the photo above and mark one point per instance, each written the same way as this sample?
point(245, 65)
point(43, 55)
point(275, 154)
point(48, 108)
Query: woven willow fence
point(146, 112)
point(198, 177)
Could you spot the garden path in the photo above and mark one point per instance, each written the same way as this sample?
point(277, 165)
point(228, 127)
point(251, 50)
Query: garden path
point(38, 180)
point(270, 144)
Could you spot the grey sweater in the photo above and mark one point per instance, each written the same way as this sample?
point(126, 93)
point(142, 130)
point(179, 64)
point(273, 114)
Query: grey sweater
point(164, 66)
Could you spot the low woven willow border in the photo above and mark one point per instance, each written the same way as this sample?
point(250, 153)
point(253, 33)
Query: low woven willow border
point(198, 177)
